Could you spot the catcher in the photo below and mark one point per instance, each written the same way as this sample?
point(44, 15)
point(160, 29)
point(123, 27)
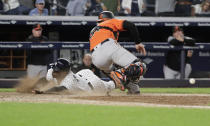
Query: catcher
point(83, 81)
point(106, 51)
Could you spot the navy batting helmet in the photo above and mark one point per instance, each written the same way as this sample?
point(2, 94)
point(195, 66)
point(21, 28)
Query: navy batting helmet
point(62, 64)
point(105, 15)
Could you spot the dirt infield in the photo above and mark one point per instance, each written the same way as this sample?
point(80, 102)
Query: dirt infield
point(115, 98)
point(160, 100)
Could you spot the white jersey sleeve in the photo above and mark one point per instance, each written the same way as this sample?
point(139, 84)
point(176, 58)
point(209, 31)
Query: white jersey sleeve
point(49, 76)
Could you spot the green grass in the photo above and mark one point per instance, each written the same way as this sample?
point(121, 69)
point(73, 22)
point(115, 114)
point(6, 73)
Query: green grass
point(7, 90)
point(52, 114)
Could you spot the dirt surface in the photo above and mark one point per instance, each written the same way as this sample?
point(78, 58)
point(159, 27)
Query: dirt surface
point(156, 99)
point(121, 99)
point(115, 98)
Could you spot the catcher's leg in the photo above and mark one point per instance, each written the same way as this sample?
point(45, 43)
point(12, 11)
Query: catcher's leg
point(131, 71)
point(111, 52)
point(135, 70)
point(129, 75)
point(119, 78)
point(104, 62)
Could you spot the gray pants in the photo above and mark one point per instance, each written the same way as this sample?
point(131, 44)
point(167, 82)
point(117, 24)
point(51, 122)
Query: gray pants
point(111, 52)
point(172, 74)
point(36, 71)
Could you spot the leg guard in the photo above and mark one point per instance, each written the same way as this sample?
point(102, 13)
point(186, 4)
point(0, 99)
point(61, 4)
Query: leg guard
point(119, 79)
point(128, 74)
point(135, 70)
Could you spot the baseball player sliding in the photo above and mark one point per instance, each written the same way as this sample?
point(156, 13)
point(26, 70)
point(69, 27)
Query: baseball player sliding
point(106, 51)
point(83, 81)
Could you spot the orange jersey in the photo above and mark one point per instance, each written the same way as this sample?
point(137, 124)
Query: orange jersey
point(104, 30)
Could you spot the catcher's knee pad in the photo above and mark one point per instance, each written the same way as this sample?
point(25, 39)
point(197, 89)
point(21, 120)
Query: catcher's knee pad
point(135, 70)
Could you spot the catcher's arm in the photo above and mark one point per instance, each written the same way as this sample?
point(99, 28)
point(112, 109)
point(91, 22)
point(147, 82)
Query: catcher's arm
point(129, 26)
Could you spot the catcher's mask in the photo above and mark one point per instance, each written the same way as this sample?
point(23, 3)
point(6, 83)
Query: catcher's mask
point(105, 15)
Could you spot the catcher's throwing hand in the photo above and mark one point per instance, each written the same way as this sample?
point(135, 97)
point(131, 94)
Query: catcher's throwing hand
point(140, 48)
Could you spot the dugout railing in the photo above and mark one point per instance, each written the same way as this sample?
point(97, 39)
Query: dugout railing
point(147, 82)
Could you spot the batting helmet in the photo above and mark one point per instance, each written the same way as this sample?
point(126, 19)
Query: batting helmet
point(105, 15)
point(62, 64)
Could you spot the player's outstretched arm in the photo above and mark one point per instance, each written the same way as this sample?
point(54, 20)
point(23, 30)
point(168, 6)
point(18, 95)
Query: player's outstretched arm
point(51, 90)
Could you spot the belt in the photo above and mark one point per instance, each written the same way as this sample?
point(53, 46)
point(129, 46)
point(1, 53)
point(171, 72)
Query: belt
point(97, 46)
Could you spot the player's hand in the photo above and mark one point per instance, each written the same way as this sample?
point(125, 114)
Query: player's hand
point(37, 92)
point(51, 65)
point(140, 48)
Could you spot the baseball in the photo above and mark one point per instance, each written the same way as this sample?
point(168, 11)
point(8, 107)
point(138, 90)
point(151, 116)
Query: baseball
point(192, 81)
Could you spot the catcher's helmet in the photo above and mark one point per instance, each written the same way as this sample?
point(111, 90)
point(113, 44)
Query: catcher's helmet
point(62, 64)
point(105, 15)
